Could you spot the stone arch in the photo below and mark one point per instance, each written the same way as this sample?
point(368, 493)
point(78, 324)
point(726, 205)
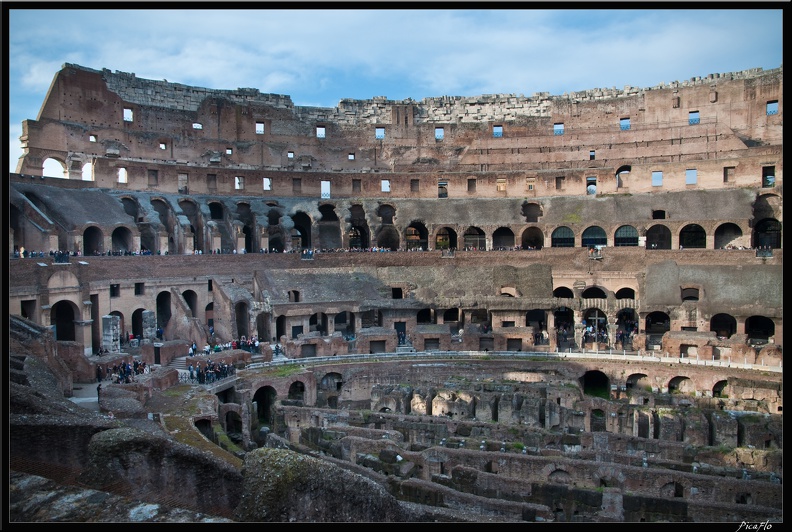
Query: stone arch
point(122, 239)
point(532, 211)
point(445, 238)
point(62, 317)
point(297, 391)
point(265, 399)
point(503, 238)
point(681, 384)
point(595, 383)
point(93, 241)
point(638, 381)
point(728, 235)
point(593, 237)
point(54, 167)
point(626, 235)
point(191, 298)
point(475, 239)
point(767, 233)
point(163, 309)
point(692, 236)
point(658, 237)
point(241, 319)
point(416, 236)
point(562, 237)
point(388, 238)
point(302, 223)
point(532, 238)
point(329, 227)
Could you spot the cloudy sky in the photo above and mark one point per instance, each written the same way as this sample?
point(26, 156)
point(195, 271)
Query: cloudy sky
point(319, 57)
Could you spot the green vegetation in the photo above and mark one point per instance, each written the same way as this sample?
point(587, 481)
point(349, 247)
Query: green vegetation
point(286, 370)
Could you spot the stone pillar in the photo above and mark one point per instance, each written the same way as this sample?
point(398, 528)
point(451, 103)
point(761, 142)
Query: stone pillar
point(111, 333)
point(149, 319)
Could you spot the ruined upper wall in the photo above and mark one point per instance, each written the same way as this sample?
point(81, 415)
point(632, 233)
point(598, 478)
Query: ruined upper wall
point(352, 112)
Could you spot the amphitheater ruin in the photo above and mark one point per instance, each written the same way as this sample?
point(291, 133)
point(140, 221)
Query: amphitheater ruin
point(555, 308)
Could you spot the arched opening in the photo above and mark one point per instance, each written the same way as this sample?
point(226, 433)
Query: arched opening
point(297, 391)
point(54, 168)
point(163, 310)
point(595, 326)
point(596, 384)
point(446, 238)
point(563, 292)
point(191, 298)
point(681, 384)
point(692, 236)
point(329, 228)
point(658, 237)
point(723, 325)
point(759, 329)
point(728, 236)
point(122, 241)
point(416, 237)
point(359, 231)
point(594, 237)
point(62, 316)
point(301, 233)
point(475, 239)
point(388, 238)
point(264, 401)
point(562, 237)
point(242, 320)
point(767, 234)
point(625, 293)
point(503, 239)
point(93, 241)
point(626, 235)
point(532, 238)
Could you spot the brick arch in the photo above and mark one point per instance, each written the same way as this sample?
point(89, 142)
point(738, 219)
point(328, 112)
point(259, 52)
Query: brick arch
point(282, 385)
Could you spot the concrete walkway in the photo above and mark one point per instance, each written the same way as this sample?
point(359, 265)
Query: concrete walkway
point(84, 395)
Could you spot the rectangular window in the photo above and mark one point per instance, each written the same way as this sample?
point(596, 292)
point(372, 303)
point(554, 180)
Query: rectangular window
point(356, 185)
point(471, 185)
point(691, 176)
point(558, 129)
point(379, 133)
point(197, 125)
point(396, 292)
point(183, 181)
point(163, 146)
point(530, 183)
point(320, 132)
point(385, 185)
point(592, 155)
point(559, 182)
point(239, 183)
point(325, 189)
point(657, 179)
point(591, 185)
point(728, 174)
point(624, 124)
point(415, 185)
point(768, 176)
point(209, 285)
point(211, 182)
point(92, 138)
point(259, 128)
point(500, 186)
point(140, 289)
point(267, 183)
point(153, 178)
point(122, 175)
point(115, 290)
point(229, 151)
point(439, 133)
point(442, 189)
point(772, 107)
point(693, 118)
point(351, 156)
point(290, 155)
point(128, 115)
point(296, 185)
point(497, 131)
